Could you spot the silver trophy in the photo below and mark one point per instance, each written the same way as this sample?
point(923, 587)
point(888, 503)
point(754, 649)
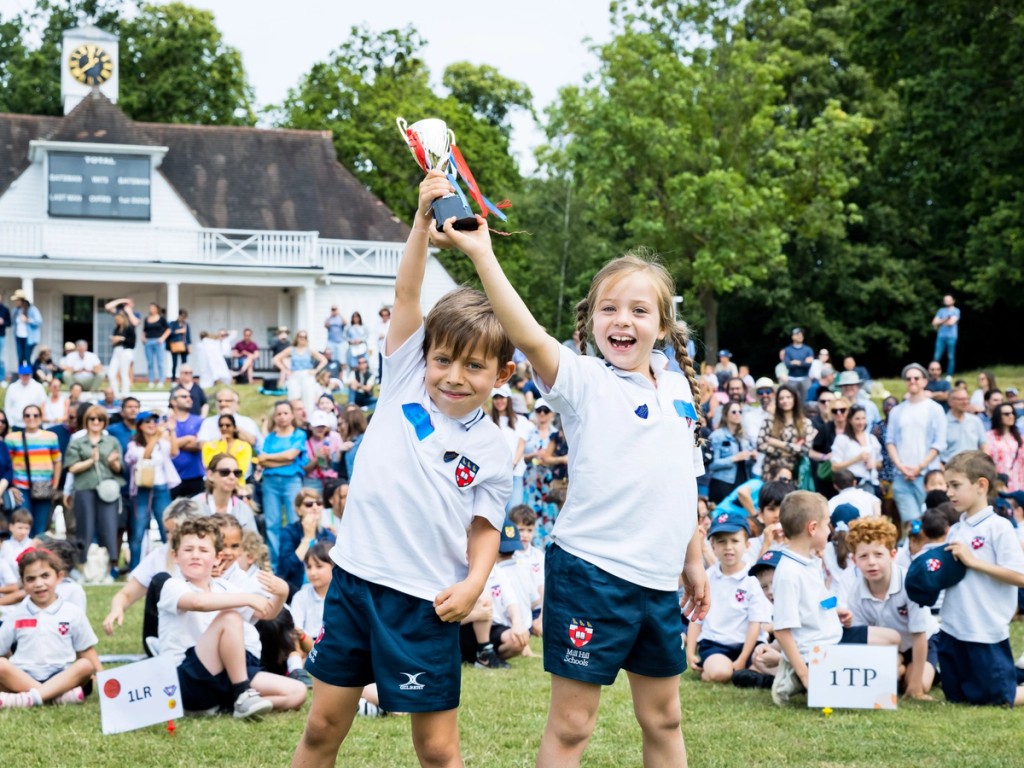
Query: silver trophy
point(430, 142)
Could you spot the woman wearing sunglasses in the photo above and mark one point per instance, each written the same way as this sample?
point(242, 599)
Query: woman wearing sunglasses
point(223, 481)
point(151, 475)
point(230, 443)
point(1004, 446)
point(41, 472)
point(298, 538)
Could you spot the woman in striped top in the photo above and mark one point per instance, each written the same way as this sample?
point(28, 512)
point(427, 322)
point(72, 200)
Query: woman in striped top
point(35, 456)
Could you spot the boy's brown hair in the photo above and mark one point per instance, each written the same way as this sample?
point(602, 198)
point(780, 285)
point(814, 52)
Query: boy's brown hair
point(461, 320)
point(522, 515)
point(975, 466)
point(868, 530)
point(202, 527)
point(798, 509)
point(21, 516)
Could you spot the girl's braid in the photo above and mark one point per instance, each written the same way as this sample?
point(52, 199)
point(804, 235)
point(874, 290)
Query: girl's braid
point(679, 337)
point(582, 317)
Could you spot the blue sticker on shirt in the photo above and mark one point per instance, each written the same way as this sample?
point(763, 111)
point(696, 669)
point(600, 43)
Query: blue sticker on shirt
point(830, 602)
point(642, 411)
point(419, 418)
point(685, 409)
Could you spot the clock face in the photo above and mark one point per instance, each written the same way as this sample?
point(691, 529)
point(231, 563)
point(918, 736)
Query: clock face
point(90, 64)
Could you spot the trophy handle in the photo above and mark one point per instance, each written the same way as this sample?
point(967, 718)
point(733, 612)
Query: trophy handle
point(402, 125)
point(451, 137)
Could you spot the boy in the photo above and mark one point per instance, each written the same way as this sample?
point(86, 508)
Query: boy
point(974, 645)
point(513, 597)
point(806, 611)
point(401, 582)
point(525, 520)
point(847, 492)
point(739, 609)
point(771, 538)
point(879, 599)
point(21, 525)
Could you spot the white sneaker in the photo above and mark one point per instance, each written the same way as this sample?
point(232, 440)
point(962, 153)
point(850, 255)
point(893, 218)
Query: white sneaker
point(20, 700)
point(251, 704)
point(369, 709)
point(75, 696)
point(787, 683)
point(153, 644)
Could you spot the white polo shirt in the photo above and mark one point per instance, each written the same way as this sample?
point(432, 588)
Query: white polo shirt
point(804, 604)
point(422, 478)
point(180, 629)
point(534, 558)
point(308, 610)
point(979, 608)
point(737, 600)
point(895, 611)
point(49, 639)
point(866, 503)
point(71, 590)
point(510, 584)
point(153, 563)
point(246, 581)
point(631, 507)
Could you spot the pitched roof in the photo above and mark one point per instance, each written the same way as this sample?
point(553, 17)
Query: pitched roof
point(231, 177)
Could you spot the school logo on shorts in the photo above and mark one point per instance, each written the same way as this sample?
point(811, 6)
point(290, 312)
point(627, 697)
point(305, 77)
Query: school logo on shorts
point(412, 682)
point(63, 627)
point(741, 595)
point(580, 632)
point(933, 564)
point(465, 473)
point(977, 542)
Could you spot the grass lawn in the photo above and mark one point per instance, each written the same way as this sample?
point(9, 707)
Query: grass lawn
point(503, 715)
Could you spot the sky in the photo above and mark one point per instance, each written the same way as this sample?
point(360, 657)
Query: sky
point(541, 43)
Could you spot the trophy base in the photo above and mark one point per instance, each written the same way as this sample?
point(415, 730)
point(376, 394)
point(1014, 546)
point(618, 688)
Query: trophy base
point(446, 207)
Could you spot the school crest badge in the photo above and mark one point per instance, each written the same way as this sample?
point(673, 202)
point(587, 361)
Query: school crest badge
point(741, 595)
point(496, 591)
point(642, 411)
point(465, 473)
point(320, 635)
point(63, 627)
point(933, 564)
point(903, 611)
point(977, 542)
point(580, 632)
point(722, 517)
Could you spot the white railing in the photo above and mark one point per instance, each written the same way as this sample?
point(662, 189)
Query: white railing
point(80, 240)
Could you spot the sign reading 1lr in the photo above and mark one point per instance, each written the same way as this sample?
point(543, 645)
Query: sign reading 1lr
point(99, 186)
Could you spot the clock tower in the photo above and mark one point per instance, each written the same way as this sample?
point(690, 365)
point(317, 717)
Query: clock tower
point(88, 63)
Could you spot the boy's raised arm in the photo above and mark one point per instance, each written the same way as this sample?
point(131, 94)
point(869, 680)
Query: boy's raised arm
point(407, 314)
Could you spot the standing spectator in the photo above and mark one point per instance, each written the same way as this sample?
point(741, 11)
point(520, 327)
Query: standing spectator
point(788, 435)
point(27, 322)
point(916, 437)
point(36, 460)
point(188, 460)
point(282, 461)
point(360, 384)
point(382, 335)
point(80, 366)
point(55, 407)
point(825, 435)
point(1004, 446)
point(937, 387)
point(153, 477)
point(857, 450)
point(823, 359)
point(732, 451)
point(187, 381)
point(94, 458)
point(947, 327)
point(44, 369)
point(23, 392)
point(515, 429)
point(303, 363)
point(212, 366)
point(851, 386)
point(725, 365)
point(245, 353)
point(335, 325)
point(986, 381)
point(279, 345)
point(538, 473)
point(356, 334)
point(179, 341)
point(5, 323)
point(123, 430)
point(156, 332)
point(797, 358)
point(227, 405)
point(122, 341)
point(993, 401)
point(964, 430)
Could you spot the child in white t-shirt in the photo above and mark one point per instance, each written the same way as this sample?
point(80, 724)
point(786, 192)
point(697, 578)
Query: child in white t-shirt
point(56, 655)
point(525, 519)
point(513, 597)
point(20, 527)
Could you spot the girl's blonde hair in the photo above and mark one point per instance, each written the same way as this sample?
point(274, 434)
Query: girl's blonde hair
point(677, 332)
point(256, 550)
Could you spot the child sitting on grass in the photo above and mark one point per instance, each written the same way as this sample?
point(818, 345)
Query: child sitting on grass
point(525, 520)
point(769, 501)
point(513, 597)
point(56, 655)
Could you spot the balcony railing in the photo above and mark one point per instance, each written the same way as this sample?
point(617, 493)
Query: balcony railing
point(85, 241)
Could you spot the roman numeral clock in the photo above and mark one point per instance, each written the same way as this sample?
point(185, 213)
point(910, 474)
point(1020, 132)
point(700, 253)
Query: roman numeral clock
point(90, 64)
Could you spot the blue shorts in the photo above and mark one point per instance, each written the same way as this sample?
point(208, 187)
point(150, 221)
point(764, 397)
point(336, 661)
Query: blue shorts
point(978, 673)
point(933, 652)
point(706, 648)
point(373, 633)
point(854, 635)
point(201, 690)
point(596, 624)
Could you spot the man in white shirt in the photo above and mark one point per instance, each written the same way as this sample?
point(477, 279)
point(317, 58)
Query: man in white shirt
point(227, 404)
point(82, 367)
point(964, 430)
point(22, 393)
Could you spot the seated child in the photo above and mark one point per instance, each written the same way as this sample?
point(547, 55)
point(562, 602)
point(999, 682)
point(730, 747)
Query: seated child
point(513, 598)
point(55, 656)
point(722, 643)
point(974, 639)
point(20, 527)
point(307, 606)
point(525, 520)
point(764, 661)
point(924, 534)
point(879, 599)
point(771, 537)
point(475, 643)
point(11, 592)
point(848, 492)
point(201, 628)
point(806, 612)
point(67, 588)
point(838, 563)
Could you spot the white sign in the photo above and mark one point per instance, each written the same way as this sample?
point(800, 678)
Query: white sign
point(852, 677)
point(140, 694)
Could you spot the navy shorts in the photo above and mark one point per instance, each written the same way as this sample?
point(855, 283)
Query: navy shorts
point(373, 633)
point(933, 652)
point(596, 624)
point(854, 636)
point(707, 648)
point(201, 690)
point(977, 673)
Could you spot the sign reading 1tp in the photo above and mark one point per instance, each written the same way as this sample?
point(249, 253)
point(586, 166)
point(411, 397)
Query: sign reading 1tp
point(852, 677)
point(99, 186)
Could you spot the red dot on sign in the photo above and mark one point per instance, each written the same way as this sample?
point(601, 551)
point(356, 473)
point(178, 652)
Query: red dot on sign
point(111, 689)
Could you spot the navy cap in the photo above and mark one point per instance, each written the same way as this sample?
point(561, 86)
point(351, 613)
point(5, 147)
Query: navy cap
point(724, 353)
point(146, 416)
point(843, 515)
point(728, 522)
point(769, 559)
point(509, 538)
point(1017, 496)
point(931, 572)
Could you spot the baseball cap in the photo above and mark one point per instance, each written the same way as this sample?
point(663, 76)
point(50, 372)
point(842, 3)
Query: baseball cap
point(769, 559)
point(724, 353)
point(322, 419)
point(764, 383)
point(843, 515)
point(913, 367)
point(1017, 496)
point(728, 522)
point(509, 538)
point(931, 572)
point(502, 391)
point(69, 346)
point(540, 402)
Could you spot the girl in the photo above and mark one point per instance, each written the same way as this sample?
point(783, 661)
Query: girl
point(152, 475)
point(599, 569)
point(858, 450)
point(1004, 446)
point(231, 444)
point(156, 331)
point(323, 448)
point(283, 461)
point(122, 342)
point(733, 454)
point(56, 655)
point(515, 430)
point(788, 435)
point(223, 476)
